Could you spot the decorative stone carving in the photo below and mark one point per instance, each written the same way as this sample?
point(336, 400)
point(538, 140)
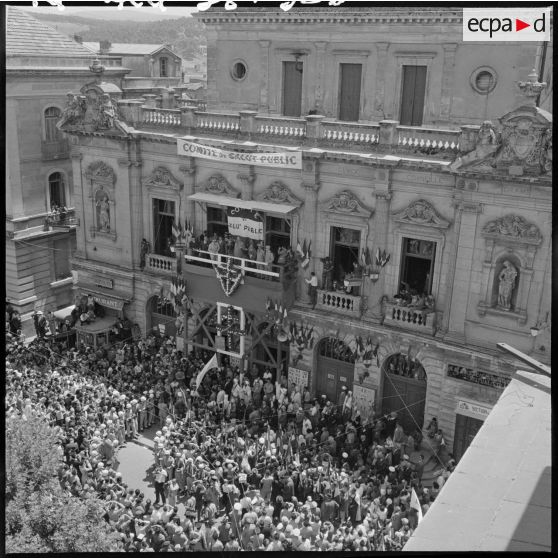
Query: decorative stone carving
point(101, 173)
point(513, 227)
point(161, 177)
point(486, 144)
point(346, 203)
point(421, 212)
point(103, 211)
point(278, 193)
point(217, 184)
point(506, 285)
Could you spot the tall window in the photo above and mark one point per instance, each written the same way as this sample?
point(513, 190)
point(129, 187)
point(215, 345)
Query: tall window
point(349, 91)
point(217, 221)
point(56, 190)
point(292, 88)
point(163, 67)
point(52, 116)
point(163, 217)
point(345, 245)
point(417, 265)
point(277, 233)
point(412, 95)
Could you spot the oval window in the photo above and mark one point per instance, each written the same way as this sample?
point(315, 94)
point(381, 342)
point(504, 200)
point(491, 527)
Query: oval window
point(239, 70)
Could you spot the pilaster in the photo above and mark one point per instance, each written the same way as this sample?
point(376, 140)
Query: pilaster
point(264, 76)
point(188, 169)
point(448, 78)
point(320, 76)
point(381, 59)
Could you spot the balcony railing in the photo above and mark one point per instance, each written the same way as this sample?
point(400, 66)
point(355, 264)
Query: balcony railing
point(51, 150)
point(341, 303)
point(62, 218)
point(412, 319)
point(310, 131)
point(160, 264)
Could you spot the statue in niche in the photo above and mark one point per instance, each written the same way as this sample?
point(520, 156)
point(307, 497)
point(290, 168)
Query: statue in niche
point(506, 285)
point(103, 211)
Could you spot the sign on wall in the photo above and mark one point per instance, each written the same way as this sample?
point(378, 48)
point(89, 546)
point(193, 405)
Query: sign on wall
point(286, 160)
point(245, 222)
point(102, 282)
point(473, 410)
point(298, 377)
point(363, 401)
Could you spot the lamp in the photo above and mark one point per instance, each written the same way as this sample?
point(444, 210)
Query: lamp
point(539, 326)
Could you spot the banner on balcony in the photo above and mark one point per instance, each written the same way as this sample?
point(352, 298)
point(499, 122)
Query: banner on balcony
point(245, 222)
point(286, 160)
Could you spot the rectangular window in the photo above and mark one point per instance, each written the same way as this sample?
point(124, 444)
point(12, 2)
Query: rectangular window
point(56, 190)
point(344, 249)
point(412, 95)
point(417, 266)
point(163, 218)
point(349, 92)
point(292, 88)
point(217, 221)
point(62, 268)
point(163, 66)
point(277, 233)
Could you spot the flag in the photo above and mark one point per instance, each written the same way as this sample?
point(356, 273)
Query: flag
point(415, 504)
point(212, 363)
point(299, 250)
point(175, 230)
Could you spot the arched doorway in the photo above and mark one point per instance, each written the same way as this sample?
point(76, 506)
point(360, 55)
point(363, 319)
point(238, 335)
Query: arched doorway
point(335, 367)
point(162, 317)
point(404, 390)
point(271, 353)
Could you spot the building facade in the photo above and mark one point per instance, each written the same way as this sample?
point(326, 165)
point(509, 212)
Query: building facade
point(430, 244)
point(42, 65)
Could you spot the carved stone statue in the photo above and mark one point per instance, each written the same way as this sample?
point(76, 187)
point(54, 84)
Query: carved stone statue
point(506, 285)
point(104, 213)
point(486, 145)
point(74, 111)
point(514, 226)
point(107, 112)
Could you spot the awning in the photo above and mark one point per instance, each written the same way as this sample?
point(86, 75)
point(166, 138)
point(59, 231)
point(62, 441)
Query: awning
point(104, 299)
point(63, 313)
point(266, 207)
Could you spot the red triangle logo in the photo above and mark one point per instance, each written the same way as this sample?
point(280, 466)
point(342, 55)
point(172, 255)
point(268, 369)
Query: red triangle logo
point(519, 24)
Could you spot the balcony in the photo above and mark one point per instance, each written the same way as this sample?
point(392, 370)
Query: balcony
point(339, 303)
point(386, 136)
point(258, 283)
point(410, 319)
point(160, 265)
point(52, 150)
point(62, 219)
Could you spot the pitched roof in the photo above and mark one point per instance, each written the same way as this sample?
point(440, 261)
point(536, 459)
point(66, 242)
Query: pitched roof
point(27, 36)
point(139, 49)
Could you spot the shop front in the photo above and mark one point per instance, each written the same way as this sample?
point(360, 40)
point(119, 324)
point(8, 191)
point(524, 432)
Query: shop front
point(468, 421)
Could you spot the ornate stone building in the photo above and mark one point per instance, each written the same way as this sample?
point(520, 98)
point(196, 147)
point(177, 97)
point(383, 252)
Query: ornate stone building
point(42, 65)
point(430, 244)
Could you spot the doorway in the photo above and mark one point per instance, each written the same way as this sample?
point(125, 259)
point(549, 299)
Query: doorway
point(335, 368)
point(349, 92)
point(412, 95)
point(345, 245)
point(466, 429)
point(292, 88)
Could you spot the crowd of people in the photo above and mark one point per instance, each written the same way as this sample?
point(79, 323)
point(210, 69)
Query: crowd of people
point(257, 464)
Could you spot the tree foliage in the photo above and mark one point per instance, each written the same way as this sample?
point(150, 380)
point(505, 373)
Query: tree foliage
point(40, 515)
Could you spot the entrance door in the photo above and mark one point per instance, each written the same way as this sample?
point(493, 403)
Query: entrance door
point(404, 391)
point(349, 92)
point(163, 317)
point(292, 88)
point(412, 95)
point(335, 368)
point(466, 429)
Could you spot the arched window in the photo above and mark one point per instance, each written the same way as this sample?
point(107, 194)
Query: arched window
point(162, 306)
point(331, 347)
point(56, 190)
point(401, 365)
point(163, 67)
point(52, 116)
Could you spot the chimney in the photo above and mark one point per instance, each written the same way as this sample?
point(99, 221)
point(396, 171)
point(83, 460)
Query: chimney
point(78, 39)
point(104, 47)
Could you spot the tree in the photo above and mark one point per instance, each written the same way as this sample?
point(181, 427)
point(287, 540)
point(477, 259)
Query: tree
point(40, 515)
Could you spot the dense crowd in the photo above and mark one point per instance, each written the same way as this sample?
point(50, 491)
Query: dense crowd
point(257, 464)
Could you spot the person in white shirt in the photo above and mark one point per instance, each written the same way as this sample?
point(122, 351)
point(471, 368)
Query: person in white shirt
point(313, 289)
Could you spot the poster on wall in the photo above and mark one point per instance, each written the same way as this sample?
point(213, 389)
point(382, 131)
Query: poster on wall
point(363, 401)
point(246, 223)
point(298, 377)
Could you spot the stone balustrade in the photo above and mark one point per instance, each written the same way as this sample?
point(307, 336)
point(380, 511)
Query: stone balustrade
point(413, 319)
point(308, 131)
point(340, 303)
point(160, 264)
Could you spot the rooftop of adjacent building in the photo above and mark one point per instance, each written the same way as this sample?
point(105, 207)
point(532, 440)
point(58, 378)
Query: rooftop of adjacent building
point(499, 496)
point(27, 36)
point(125, 49)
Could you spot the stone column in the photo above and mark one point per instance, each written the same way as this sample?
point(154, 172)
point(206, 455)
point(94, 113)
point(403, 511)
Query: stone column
point(457, 297)
point(212, 93)
point(247, 179)
point(79, 197)
point(264, 76)
point(319, 77)
point(309, 232)
point(381, 55)
point(448, 79)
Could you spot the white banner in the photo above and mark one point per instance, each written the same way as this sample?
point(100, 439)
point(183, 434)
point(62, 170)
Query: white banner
point(211, 363)
point(287, 160)
point(364, 400)
point(298, 377)
point(245, 223)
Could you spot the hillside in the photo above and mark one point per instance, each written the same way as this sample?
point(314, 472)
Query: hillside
point(185, 34)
